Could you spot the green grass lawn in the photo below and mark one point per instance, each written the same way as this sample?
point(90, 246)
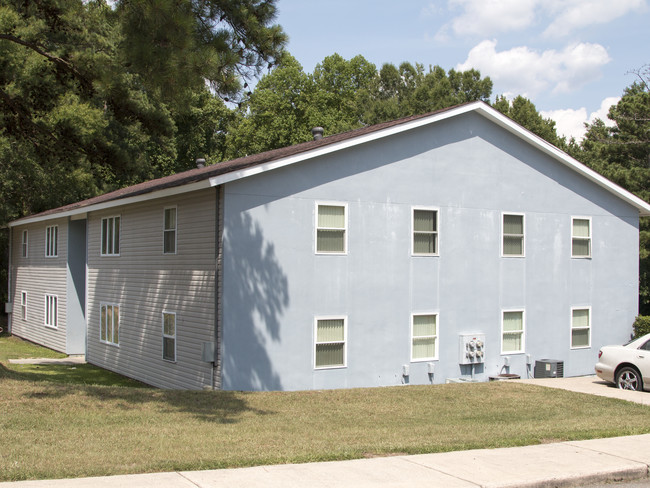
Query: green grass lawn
point(54, 430)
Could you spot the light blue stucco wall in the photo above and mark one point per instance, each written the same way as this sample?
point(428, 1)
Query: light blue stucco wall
point(274, 284)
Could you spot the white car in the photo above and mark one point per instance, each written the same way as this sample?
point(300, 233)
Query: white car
point(628, 366)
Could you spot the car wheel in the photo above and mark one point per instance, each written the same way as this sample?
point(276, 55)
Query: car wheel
point(629, 379)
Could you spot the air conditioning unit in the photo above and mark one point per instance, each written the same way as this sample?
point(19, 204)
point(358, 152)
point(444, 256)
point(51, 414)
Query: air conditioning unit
point(549, 368)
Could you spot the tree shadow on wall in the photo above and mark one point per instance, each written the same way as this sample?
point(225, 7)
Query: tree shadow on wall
point(255, 294)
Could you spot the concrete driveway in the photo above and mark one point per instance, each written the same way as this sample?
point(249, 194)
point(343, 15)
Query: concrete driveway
point(592, 385)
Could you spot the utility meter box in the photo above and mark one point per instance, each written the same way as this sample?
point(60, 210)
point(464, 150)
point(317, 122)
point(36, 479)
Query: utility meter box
point(471, 349)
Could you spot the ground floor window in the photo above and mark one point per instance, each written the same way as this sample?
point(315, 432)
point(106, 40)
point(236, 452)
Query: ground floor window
point(109, 323)
point(330, 342)
point(23, 305)
point(512, 340)
point(51, 310)
point(169, 336)
point(424, 337)
point(580, 327)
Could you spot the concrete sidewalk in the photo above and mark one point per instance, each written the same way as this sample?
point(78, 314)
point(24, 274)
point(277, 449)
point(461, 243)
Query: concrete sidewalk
point(547, 465)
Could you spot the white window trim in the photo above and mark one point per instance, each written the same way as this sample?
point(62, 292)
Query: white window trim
point(101, 232)
point(52, 245)
point(345, 228)
point(119, 323)
point(523, 331)
point(345, 340)
point(48, 311)
point(165, 336)
point(23, 305)
point(590, 239)
point(175, 229)
point(523, 244)
point(25, 244)
point(437, 231)
point(571, 328)
point(437, 337)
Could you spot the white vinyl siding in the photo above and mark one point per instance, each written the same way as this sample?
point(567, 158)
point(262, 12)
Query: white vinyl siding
point(52, 241)
point(513, 235)
point(330, 334)
point(580, 237)
point(424, 337)
point(111, 236)
point(169, 231)
point(512, 332)
point(425, 232)
point(109, 323)
point(169, 336)
point(580, 328)
point(51, 311)
point(331, 228)
point(25, 244)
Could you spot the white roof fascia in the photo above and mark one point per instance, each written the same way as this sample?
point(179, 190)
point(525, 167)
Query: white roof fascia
point(167, 192)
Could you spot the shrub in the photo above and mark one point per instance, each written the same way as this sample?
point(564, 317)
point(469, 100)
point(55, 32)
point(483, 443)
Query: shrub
point(641, 325)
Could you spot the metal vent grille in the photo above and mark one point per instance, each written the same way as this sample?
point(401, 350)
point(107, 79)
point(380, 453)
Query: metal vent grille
point(549, 368)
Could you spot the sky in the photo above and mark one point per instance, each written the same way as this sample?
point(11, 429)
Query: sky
point(571, 58)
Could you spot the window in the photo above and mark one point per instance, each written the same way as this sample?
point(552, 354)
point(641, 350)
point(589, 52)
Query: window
point(512, 335)
point(169, 336)
point(330, 229)
point(110, 236)
point(424, 337)
point(513, 235)
point(425, 232)
point(51, 241)
point(25, 244)
point(330, 343)
point(23, 305)
point(580, 328)
point(169, 231)
point(109, 323)
point(581, 238)
point(51, 310)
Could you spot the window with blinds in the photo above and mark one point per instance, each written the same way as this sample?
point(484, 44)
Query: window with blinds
point(331, 229)
point(512, 338)
point(425, 232)
point(580, 238)
point(424, 337)
point(580, 328)
point(330, 343)
point(513, 235)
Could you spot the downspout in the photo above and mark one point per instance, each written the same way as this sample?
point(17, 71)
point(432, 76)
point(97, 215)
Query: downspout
point(218, 292)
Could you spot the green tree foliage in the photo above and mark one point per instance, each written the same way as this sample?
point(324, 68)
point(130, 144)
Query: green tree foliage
point(524, 112)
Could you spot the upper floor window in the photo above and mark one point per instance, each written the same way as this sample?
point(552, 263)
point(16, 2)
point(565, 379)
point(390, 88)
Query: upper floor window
point(513, 235)
point(331, 223)
point(51, 311)
point(25, 244)
point(111, 236)
point(424, 337)
point(109, 323)
point(51, 241)
point(580, 237)
point(425, 232)
point(169, 231)
point(580, 327)
point(512, 332)
point(330, 343)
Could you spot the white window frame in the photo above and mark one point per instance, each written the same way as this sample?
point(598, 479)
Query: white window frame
point(104, 244)
point(52, 241)
point(25, 244)
point(51, 318)
point(110, 342)
point(344, 341)
point(174, 229)
point(436, 231)
point(588, 328)
point(166, 336)
point(23, 305)
point(504, 235)
point(435, 336)
point(523, 330)
point(588, 239)
point(345, 228)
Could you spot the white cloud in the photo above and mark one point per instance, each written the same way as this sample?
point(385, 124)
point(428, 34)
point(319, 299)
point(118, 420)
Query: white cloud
point(522, 71)
point(570, 15)
point(487, 17)
point(571, 123)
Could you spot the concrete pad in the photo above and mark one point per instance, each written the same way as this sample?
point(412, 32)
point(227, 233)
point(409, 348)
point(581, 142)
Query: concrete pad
point(152, 480)
point(547, 465)
point(591, 385)
point(391, 472)
point(635, 448)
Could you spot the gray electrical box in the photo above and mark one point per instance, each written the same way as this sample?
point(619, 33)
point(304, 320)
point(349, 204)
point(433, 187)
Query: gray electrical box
point(471, 349)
